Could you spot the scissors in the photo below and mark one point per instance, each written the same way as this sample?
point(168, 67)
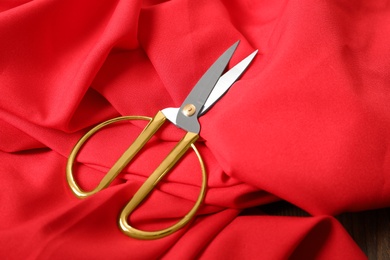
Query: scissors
point(209, 89)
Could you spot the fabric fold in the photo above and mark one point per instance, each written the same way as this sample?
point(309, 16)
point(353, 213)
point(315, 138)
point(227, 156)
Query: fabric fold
point(307, 123)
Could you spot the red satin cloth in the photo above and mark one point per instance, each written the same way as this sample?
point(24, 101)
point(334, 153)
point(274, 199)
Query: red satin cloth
point(307, 123)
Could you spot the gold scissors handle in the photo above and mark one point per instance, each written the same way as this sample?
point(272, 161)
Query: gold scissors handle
point(173, 157)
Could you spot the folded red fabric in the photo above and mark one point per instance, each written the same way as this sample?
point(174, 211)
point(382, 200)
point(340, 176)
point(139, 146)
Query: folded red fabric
point(307, 123)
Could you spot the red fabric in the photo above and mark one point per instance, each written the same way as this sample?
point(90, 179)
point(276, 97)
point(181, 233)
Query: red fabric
point(307, 123)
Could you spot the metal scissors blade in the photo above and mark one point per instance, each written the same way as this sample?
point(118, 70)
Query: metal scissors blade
point(194, 102)
point(222, 86)
point(226, 81)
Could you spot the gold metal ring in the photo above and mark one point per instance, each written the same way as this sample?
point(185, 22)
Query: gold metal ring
point(125, 227)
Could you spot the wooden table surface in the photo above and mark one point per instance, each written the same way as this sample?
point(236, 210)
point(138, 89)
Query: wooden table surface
point(370, 229)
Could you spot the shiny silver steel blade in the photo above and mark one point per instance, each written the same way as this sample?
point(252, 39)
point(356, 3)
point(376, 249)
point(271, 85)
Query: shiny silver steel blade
point(187, 119)
point(226, 81)
point(171, 113)
point(223, 85)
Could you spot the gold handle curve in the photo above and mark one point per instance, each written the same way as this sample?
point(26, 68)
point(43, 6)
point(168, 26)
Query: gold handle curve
point(173, 157)
point(154, 124)
point(149, 184)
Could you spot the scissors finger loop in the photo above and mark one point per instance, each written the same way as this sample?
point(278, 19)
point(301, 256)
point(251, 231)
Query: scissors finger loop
point(148, 132)
point(167, 164)
point(129, 230)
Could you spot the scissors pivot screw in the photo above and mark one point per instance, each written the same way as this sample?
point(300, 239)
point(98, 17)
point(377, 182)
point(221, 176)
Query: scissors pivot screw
point(189, 110)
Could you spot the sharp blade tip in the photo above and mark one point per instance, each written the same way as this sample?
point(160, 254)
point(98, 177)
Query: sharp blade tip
point(234, 46)
point(252, 55)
